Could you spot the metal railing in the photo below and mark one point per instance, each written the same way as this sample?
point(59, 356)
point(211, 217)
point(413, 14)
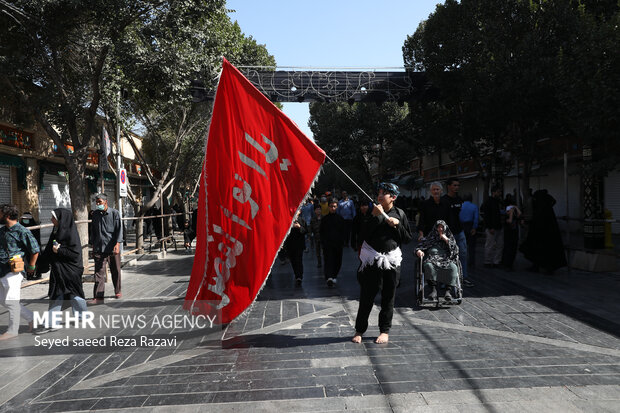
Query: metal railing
point(130, 234)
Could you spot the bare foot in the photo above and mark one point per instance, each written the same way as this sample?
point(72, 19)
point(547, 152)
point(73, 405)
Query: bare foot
point(7, 336)
point(383, 338)
point(357, 338)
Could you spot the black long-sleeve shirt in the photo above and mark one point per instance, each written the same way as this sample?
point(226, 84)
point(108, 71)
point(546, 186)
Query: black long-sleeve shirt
point(382, 237)
point(451, 211)
point(296, 238)
point(430, 212)
point(332, 230)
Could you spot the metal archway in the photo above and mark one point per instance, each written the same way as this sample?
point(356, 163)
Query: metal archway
point(331, 86)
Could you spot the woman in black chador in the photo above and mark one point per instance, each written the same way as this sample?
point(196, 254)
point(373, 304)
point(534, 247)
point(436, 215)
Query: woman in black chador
point(543, 245)
point(63, 255)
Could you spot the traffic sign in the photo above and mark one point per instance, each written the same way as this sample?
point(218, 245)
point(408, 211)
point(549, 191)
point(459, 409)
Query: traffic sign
point(123, 183)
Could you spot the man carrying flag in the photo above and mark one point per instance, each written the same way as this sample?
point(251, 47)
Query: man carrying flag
point(381, 257)
point(257, 170)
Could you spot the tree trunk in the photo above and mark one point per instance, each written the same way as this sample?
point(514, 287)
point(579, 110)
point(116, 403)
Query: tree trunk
point(79, 200)
point(140, 234)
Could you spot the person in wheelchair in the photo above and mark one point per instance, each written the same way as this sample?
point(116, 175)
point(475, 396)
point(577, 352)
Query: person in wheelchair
point(442, 262)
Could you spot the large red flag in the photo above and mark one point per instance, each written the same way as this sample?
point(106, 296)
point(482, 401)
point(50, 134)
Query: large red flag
point(257, 170)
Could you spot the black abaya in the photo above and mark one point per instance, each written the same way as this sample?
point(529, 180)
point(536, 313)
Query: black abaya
point(66, 264)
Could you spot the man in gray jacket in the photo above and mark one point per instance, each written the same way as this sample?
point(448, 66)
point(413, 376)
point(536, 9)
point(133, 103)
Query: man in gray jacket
point(106, 237)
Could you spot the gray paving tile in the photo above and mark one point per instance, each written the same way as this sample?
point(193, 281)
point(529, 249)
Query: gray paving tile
point(270, 394)
point(84, 404)
point(609, 392)
point(353, 390)
point(597, 406)
point(119, 402)
point(178, 399)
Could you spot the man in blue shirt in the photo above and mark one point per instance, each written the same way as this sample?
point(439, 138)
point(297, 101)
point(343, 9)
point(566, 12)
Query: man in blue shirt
point(469, 220)
point(346, 209)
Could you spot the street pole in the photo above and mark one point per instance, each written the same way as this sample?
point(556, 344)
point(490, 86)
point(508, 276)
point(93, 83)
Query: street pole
point(567, 210)
point(161, 212)
point(118, 158)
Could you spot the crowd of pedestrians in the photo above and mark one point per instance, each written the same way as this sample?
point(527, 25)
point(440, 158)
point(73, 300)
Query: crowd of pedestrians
point(447, 227)
point(20, 253)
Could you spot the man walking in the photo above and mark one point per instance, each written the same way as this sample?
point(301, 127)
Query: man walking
point(430, 210)
point(346, 209)
point(381, 257)
point(106, 238)
point(332, 240)
point(494, 244)
point(17, 246)
point(453, 204)
point(294, 246)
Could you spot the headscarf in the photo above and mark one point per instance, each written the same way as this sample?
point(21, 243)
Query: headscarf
point(66, 233)
point(433, 240)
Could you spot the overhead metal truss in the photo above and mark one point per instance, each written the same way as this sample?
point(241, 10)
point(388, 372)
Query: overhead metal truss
point(332, 86)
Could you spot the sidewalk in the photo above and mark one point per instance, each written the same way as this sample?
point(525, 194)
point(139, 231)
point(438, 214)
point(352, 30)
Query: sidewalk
point(519, 342)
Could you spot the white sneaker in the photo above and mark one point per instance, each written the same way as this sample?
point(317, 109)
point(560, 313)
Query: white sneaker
point(330, 282)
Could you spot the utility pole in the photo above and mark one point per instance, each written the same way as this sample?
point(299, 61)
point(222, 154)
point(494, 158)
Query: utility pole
point(118, 159)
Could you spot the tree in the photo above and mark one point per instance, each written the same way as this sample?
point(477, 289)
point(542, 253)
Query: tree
point(177, 48)
point(494, 63)
point(368, 141)
point(588, 82)
point(54, 55)
point(67, 63)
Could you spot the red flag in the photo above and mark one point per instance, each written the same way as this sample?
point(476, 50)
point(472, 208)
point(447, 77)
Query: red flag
point(257, 170)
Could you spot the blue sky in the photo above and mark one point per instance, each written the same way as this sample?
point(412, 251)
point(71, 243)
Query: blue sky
point(330, 34)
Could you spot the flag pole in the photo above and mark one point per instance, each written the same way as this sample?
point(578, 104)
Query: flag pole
point(354, 183)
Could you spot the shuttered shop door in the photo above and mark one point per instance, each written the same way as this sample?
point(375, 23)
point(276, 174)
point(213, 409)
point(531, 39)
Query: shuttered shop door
point(55, 194)
point(5, 185)
point(612, 197)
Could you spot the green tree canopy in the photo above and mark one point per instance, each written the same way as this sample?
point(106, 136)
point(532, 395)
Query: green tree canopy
point(368, 141)
point(65, 63)
point(496, 64)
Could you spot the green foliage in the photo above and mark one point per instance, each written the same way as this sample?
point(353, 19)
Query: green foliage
point(589, 83)
point(65, 63)
point(160, 60)
point(513, 72)
point(367, 141)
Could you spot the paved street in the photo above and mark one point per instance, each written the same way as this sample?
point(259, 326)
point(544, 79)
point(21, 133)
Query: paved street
point(519, 342)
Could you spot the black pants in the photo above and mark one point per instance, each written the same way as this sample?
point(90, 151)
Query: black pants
point(511, 243)
point(333, 261)
point(372, 280)
point(296, 256)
